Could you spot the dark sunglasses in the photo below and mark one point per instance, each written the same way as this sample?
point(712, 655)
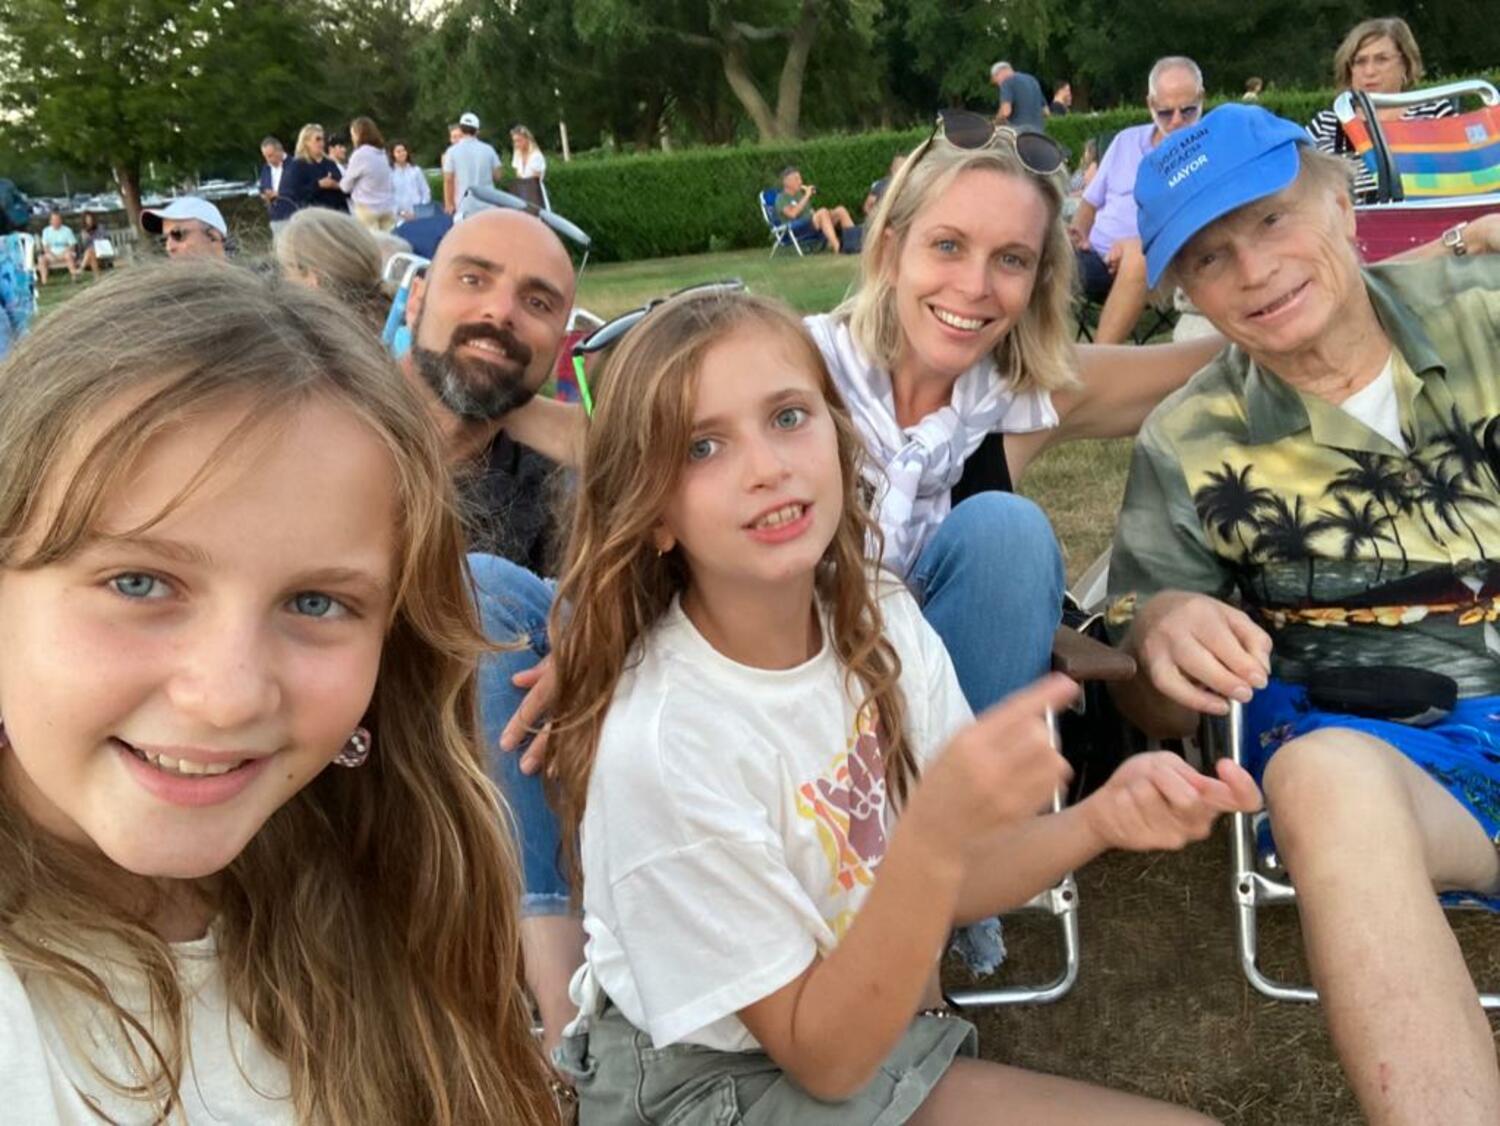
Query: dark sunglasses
point(179, 234)
point(1189, 113)
point(568, 230)
point(964, 129)
point(610, 332)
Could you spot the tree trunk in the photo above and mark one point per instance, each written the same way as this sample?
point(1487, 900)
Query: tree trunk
point(128, 177)
point(742, 83)
point(794, 70)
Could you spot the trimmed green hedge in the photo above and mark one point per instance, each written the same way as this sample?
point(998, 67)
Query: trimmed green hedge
point(658, 205)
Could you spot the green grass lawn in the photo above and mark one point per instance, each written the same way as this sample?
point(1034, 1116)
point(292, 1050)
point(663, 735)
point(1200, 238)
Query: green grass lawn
point(811, 284)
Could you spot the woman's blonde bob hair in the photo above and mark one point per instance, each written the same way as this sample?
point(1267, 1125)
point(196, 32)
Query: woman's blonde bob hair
point(305, 135)
point(1393, 28)
point(334, 251)
point(1038, 351)
point(368, 931)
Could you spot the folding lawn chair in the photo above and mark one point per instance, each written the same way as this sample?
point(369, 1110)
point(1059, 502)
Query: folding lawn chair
point(1430, 173)
point(1259, 880)
point(17, 287)
point(400, 270)
point(783, 232)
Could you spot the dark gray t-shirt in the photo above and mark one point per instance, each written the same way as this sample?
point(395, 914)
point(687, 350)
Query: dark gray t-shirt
point(1024, 93)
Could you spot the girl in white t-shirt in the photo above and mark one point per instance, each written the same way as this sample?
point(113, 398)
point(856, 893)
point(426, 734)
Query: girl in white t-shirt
point(251, 870)
point(744, 706)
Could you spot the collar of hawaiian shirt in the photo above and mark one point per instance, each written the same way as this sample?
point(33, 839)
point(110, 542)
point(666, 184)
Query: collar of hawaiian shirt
point(1274, 409)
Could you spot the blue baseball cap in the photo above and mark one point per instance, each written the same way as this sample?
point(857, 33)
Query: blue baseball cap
point(1234, 156)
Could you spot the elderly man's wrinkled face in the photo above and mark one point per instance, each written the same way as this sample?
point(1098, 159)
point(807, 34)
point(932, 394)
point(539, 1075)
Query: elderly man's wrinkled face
point(1178, 99)
point(1274, 275)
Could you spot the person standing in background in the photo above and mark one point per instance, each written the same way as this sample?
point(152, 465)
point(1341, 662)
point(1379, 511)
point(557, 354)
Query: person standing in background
point(1062, 100)
point(311, 178)
point(469, 163)
point(528, 163)
point(1023, 106)
point(278, 209)
point(367, 179)
point(408, 183)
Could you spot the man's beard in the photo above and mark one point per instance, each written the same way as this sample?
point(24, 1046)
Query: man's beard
point(475, 389)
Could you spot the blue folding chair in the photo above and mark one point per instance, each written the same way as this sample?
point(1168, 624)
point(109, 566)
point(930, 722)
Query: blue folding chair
point(785, 232)
point(400, 270)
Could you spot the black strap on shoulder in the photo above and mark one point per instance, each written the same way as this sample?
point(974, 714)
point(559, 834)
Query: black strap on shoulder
point(986, 471)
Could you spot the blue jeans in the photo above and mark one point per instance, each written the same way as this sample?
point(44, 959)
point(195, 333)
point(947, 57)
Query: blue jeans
point(513, 604)
point(990, 583)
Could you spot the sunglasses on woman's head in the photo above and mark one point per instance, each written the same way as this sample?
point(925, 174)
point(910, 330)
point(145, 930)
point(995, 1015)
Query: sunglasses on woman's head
point(610, 332)
point(963, 129)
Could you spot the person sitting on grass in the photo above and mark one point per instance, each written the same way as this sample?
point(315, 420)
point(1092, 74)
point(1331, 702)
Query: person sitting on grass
point(1310, 527)
point(58, 243)
point(782, 800)
point(794, 205)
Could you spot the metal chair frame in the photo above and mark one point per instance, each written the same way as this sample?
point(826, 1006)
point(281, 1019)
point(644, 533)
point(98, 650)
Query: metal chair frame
point(781, 231)
point(1258, 879)
point(1059, 901)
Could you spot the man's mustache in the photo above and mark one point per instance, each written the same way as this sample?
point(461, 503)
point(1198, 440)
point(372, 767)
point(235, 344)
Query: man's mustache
point(513, 347)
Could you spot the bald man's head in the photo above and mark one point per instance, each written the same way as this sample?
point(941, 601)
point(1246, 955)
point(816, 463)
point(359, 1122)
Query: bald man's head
point(488, 319)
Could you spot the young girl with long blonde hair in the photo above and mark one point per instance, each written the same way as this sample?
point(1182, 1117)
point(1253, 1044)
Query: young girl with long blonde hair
point(251, 870)
point(744, 707)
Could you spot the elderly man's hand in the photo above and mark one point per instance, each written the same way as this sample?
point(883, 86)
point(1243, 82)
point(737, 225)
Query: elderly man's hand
point(1199, 652)
point(1482, 235)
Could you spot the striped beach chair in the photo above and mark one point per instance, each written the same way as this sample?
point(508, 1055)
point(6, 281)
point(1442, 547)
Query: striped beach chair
point(1426, 158)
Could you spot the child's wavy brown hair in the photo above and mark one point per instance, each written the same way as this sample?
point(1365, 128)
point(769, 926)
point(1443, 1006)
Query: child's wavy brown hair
point(615, 584)
point(368, 932)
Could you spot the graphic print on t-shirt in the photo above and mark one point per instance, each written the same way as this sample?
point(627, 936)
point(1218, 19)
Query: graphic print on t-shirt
point(847, 804)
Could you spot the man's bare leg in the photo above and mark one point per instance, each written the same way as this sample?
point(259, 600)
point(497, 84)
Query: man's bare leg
point(823, 223)
point(1366, 835)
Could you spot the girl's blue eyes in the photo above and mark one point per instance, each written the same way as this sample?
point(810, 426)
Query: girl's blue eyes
point(138, 586)
point(787, 418)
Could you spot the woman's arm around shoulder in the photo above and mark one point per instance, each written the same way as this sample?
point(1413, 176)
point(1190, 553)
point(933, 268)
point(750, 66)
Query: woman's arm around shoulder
point(1118, 386)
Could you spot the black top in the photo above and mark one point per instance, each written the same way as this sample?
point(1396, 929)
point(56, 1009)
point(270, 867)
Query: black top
point(299, 183)
point(986, 471)
point(510, 500)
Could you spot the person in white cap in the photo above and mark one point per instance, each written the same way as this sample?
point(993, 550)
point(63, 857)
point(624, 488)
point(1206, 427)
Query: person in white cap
point(191, 227)
point(469, 163)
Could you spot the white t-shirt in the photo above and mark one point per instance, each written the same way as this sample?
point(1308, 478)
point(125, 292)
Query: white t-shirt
point(1375, 405)
point(533, 167)
point(50, 1037)
point(735, 821)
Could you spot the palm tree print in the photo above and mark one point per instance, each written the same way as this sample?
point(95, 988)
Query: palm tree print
point(1446, 496)
point(1379, 478)
point(1362, 525)
point(1229, 503)
point(1463, 444)
point(1285, 533)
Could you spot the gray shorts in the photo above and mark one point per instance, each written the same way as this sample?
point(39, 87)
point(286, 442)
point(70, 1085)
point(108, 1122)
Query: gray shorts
point(623, 1081)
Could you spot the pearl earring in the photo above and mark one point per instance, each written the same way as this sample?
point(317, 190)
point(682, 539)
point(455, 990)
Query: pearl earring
point(356, 750)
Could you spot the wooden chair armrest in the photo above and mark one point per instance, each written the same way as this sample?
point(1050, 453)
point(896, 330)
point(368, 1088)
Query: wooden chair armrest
point(1082, 658)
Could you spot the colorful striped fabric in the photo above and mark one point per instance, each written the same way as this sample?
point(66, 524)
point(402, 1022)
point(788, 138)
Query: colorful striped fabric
point(1437, 157)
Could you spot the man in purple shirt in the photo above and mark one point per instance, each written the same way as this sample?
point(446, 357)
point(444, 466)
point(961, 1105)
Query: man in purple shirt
point(1111, 266)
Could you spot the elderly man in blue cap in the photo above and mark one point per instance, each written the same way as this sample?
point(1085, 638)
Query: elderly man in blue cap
point(1312, 527)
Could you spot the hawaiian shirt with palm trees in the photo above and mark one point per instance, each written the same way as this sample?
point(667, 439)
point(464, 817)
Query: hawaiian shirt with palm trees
point(1349, 550)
